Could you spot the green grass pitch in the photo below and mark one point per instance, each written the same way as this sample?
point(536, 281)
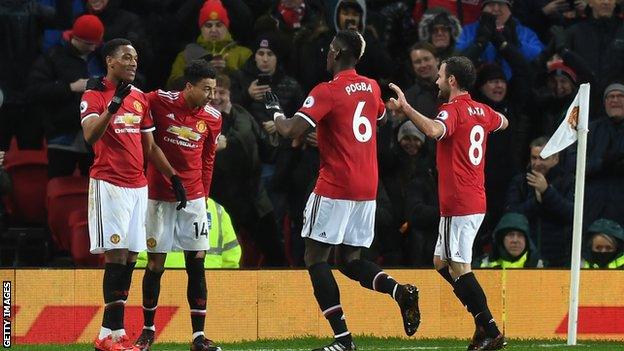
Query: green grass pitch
point(363, 344)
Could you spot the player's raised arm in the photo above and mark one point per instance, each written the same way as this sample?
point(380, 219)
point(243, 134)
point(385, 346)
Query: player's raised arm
point(287, 127)
point(428, 126)
point(95, 126)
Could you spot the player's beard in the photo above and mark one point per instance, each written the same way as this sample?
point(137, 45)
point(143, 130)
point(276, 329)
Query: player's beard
point(445, 92)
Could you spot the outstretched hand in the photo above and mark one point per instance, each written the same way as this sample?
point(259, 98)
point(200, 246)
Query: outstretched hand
point(399, 103)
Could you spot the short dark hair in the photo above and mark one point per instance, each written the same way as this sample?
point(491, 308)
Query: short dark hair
point(538, 142)
point(197, 70)
point(110, 47)
point(423, 45)
point(223, 81)
point(353, 43)
point(462, 69)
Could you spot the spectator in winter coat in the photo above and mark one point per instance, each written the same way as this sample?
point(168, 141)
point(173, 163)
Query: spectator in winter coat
point(544, 194)
point(512, 245)
point(55, 86)
point(496, 30)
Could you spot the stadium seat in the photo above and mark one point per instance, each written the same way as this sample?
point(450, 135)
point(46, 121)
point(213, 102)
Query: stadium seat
point(64, 195)
point(29, 174)
point(80, 245)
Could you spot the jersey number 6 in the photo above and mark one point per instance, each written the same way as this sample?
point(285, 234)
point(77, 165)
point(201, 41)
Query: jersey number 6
point(359, 120)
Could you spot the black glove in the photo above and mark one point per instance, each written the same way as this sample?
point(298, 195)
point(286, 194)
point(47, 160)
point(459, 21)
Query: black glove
point(559, 37)
point(122, 90)
point(178, 190)
point(96, 83)
point(271, 103)
point(498, 39)
point(486, 29)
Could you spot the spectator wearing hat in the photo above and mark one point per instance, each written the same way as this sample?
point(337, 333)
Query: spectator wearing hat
point(506, 151)
point(312, 48)
point(544, 193)
point(604, 194)
point(55, 86)
point(214, 43)
point(409, 177)
point(605, 245)
point(263, 72)
point(441, 29)
point(512, 245)
point(496, 32)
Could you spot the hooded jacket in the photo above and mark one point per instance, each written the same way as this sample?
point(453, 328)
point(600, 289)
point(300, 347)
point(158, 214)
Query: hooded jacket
point(439, 15)
point(613, 230)
point(375, 63)
point(500, 258)
point(235, 55)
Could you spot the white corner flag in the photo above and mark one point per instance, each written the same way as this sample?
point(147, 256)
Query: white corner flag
point(566, 134)
point(574, 127)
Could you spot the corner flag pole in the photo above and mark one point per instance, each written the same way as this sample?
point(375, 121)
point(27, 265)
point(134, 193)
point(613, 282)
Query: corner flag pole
point(577, 232)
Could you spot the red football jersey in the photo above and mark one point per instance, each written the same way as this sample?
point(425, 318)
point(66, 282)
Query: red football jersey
point(189, 140)
point(345, 113)
point(461, 154)
point(119, 152)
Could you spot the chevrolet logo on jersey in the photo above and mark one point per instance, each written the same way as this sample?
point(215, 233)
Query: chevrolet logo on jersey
point(184, 133)
point(128, 119)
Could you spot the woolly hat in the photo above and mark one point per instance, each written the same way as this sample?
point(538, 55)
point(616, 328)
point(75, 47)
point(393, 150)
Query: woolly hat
point(438, 16)
point(268, 41)
point(408, 128)
point(487, 72)
point(613, 87)
point(559, 68)
point(213, 10)
point(88, 28)
point(485, 2)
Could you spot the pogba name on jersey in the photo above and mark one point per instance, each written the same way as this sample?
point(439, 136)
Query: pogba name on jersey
point(358, 86)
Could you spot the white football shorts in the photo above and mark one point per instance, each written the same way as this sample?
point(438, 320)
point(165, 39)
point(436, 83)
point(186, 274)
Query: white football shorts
point(169, 230)
point(116, 217)
point(334, 221)
point(456, 235)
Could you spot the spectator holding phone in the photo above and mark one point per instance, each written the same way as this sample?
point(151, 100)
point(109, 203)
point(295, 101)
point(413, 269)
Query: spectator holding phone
point(261, 73)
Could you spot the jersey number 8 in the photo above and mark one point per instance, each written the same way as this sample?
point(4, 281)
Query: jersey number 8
point(359, 120)
point(475, 152)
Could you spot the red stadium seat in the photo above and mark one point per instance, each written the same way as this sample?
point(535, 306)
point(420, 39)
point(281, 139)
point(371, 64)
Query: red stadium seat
point(80, 244)
point(29, 174)
point(65, 195)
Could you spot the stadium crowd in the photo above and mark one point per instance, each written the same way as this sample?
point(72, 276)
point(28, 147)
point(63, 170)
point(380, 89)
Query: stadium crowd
point(531, 55)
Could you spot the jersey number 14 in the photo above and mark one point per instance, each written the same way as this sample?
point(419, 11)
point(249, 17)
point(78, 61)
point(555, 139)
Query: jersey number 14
point(200, 232)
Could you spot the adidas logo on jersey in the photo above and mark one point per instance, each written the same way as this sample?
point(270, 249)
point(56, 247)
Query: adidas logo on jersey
point(171, 115)
point(323, 235)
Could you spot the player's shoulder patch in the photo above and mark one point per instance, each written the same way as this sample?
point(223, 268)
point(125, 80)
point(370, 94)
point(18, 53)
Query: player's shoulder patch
point(83, 106)
point(309, 101)
point(442, 115)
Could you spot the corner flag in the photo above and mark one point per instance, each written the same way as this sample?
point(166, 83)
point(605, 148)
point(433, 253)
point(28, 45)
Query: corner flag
point(567, 133)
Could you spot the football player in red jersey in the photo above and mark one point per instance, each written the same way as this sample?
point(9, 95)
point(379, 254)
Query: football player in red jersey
point(116, 121)
point(340, 212)
point(187, 130)
point(461, 129)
